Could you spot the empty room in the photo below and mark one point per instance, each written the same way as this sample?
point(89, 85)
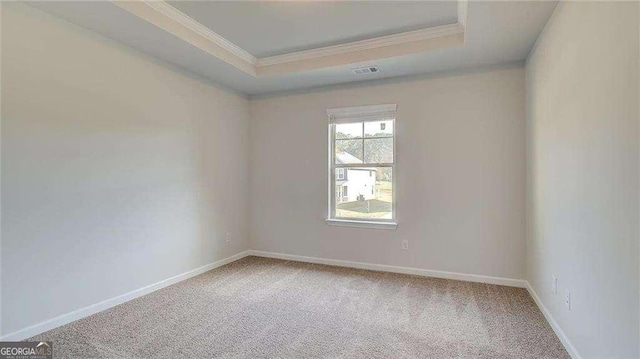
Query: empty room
point(320, 179)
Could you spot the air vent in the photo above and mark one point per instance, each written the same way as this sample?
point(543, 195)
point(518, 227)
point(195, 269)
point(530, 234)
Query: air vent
point(366, 70)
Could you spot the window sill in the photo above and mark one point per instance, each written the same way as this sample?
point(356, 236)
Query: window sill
point(362, 224)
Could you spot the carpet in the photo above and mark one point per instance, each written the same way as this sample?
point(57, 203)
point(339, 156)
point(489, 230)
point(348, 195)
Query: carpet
point(267, 308)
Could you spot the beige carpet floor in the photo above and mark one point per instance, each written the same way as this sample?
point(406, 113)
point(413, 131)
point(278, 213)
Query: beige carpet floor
point(266, 308)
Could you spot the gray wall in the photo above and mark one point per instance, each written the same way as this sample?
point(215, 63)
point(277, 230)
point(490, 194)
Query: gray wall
point(460, 175)
point(118, 171)
point(582, 87)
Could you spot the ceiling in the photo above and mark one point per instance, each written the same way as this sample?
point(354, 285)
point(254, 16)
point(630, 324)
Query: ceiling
point(493, 33)
point(283, 27)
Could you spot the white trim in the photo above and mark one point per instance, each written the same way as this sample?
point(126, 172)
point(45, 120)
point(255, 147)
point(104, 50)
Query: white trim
point(106, 304)
point(463, 5)
point(175, 22)
point(364, 45)
point(520, 283)
point(360, 113)
point(188, 22)
point(573, 352)
point(361, 224)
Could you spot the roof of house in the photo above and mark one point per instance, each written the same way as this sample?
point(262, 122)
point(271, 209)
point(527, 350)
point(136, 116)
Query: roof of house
point(345, 158)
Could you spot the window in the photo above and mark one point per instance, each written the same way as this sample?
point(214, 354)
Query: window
point(362, 159)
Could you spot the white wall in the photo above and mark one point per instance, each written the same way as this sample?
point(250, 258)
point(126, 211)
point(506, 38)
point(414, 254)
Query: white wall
point(460, 175)
point(118, 171)
point(582, 88)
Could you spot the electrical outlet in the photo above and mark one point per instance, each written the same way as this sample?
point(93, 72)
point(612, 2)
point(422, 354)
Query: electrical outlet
point(228, 237)
point(567, 299)
point(554, 284)
point(405, 245)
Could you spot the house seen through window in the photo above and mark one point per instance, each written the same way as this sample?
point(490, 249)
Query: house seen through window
point(362, 164)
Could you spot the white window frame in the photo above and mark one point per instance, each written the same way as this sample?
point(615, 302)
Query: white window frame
point(361, 114)
point(340, 174)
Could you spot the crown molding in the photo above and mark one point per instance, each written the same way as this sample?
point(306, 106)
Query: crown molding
point(189, 22)
point(317, 59)
point(177, 23)
point(363, 45)
point(462, 15)
point(462, 12)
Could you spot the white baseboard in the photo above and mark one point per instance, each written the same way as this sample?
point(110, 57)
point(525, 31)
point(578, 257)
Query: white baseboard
point(573, 352)
point(106, 304)
point(520, 283)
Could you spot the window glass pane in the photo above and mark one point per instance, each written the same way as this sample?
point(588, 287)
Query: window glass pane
point(348, 151)
point(349, 130)
point(378, 129)
point(365, 193)
point(378, 150)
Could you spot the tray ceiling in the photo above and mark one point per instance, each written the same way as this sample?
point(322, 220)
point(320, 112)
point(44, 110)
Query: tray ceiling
point(264, 47)
point(274, 28)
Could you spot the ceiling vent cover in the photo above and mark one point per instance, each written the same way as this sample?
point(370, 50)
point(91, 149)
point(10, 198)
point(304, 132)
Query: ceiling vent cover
point(366, 70)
